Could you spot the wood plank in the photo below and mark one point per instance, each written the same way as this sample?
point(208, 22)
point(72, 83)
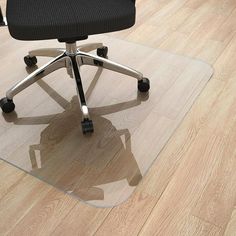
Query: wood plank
point(203, 49)
point(45, 215)
point(197, 227)
point(9, 177)
point(225, 66)
point(127, 218)
point(227, 29)
point(19, 200)
point(231, 227)
point(156, 31)
point(218, 198)
point(87, 220)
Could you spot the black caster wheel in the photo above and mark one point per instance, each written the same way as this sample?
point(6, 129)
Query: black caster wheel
point(87, 126)
point(143, 85)
point(7, 105)
point(102, 52)
point(30, 61)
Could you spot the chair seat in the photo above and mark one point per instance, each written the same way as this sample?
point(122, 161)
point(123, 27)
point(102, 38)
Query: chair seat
point(55, 19)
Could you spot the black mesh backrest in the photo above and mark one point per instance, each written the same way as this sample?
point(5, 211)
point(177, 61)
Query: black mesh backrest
point(1, 17)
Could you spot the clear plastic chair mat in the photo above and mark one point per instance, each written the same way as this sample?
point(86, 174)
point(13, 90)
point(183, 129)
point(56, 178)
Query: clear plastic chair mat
point(44, 138)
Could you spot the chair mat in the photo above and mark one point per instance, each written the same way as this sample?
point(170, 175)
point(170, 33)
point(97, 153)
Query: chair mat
point(43, 136)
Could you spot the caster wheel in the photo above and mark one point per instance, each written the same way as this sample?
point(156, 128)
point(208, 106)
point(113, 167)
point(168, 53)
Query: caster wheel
point(30, 61)
point(7, 105)
point(143, 85)
point(102, 52)
point(87, 126)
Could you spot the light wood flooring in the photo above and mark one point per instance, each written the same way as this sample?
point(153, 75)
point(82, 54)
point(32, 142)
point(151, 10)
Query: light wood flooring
point(191, 188)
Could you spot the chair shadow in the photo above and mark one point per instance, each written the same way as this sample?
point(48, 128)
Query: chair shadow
point(80, 164)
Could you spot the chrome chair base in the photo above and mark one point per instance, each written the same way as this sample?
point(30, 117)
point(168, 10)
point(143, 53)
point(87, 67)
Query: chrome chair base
point(71, 58)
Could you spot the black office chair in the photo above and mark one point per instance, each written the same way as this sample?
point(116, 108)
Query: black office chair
point(68, 21)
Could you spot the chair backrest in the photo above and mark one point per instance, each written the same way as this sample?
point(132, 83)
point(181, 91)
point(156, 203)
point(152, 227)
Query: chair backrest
point(1, 17)
point(3, 21)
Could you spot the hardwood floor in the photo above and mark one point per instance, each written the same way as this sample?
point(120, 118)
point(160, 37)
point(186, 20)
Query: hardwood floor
point(190, 189)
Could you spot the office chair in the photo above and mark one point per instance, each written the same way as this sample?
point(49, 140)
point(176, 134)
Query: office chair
point(68, 21)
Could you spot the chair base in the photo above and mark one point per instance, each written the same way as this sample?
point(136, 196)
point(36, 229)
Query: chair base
point(71, 58)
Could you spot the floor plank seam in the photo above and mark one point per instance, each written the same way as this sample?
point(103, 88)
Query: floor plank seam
point(76, 205)
point(223, 51)
point(102, 222)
